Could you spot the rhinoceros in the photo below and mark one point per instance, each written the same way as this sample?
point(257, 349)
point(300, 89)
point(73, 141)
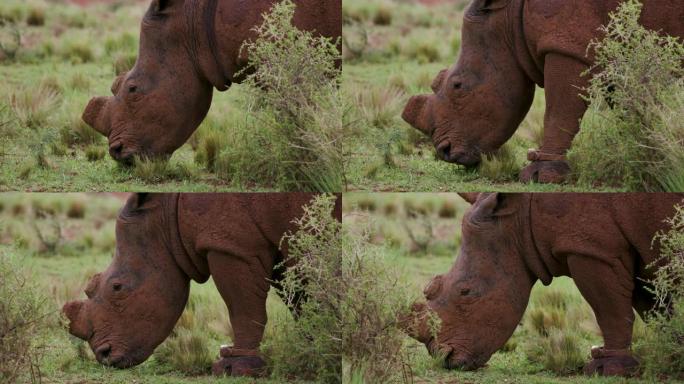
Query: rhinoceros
point(510, 241)
point(508, 46)
point(187, 48)
point(164, 241)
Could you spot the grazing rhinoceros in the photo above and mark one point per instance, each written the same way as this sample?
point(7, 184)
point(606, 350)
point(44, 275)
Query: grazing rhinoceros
point(187, 47)
point(602, 241)
point(508, 46)
point(164, 241)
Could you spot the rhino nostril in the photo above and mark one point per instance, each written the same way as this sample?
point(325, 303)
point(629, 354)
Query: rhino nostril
point(444, 151)
point(103, 352)
point(116, 149)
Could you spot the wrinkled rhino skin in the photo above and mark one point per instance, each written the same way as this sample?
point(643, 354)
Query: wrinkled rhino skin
point(507, 47)
point(187, 47)
point(166, 240)
point(601, 241)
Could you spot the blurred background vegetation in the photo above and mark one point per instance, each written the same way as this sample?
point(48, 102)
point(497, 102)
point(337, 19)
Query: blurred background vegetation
point(414, 236)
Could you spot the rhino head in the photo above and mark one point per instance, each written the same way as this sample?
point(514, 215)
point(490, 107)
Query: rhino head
point(158, 104)
point(481, 300)
point(134, 304)
point(477, 105)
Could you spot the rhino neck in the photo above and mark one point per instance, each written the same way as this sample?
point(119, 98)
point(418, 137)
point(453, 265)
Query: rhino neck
point(519, 44)
point(202, 44)
point(186, 259)
point(530, 248)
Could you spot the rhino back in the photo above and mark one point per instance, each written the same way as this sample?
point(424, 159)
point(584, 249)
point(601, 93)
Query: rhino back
point(567, 27)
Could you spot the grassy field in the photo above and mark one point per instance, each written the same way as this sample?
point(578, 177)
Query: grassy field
point(393, 50)
point(419, 234)
point(62, 240)
point(68, 54)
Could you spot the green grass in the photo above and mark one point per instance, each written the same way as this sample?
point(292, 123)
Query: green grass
point(87, 226)
point(399, 59)
point(558, 308)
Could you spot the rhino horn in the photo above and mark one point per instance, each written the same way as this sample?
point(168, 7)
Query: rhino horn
point(413, 113)
point(78, 325)
point(92, 113)
point(417, 323)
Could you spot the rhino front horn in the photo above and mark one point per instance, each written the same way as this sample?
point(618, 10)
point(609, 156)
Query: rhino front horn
point(413, 113)
point(92, 115)
point(417, 323)
point(78, 325)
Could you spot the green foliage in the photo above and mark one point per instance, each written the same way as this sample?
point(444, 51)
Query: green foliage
point(637, 141)
point(311, 347)
point(22, 321)
point(375, 297)
point(294, 140)
point(662, 347)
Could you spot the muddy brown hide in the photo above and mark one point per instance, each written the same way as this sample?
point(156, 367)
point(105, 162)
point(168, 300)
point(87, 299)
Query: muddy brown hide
point(164, 241)
point(508, 47)
point(187, 47)
point(601, 241)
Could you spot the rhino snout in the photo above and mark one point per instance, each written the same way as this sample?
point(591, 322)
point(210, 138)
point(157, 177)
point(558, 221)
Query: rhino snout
point(79, 326)
point(414, 113)
point(93, 115)
point(448, 153)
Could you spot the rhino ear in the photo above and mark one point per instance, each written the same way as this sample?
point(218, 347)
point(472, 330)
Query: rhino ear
point(162, 5)
point(491, 205)
point(490, 5)
point(134, 203)
point(470, 197)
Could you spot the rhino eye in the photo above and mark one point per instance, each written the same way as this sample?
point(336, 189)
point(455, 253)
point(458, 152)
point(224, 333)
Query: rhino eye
point(116, 287)
point(132, 89)
point(465, 291)
point(457, 85)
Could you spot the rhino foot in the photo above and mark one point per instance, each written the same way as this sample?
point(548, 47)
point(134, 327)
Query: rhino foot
point(547, 172)
point(238, 362)
point(607, 362)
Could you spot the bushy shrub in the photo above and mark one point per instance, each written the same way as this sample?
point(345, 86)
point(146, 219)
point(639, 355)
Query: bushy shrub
point(662, 346)
point(311, 347)
point(632, 135)
point(22, 321)
point(294, 139)
point(375, 298)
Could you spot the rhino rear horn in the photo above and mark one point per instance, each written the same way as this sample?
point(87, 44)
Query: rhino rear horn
point(437, 82)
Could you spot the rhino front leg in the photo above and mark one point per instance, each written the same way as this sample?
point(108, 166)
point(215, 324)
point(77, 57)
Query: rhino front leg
point(244, 287)
point(564, 110)
point(606, 289)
